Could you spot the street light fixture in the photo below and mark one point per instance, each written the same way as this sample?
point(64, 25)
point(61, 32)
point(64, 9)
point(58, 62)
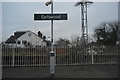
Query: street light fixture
point(48, 3)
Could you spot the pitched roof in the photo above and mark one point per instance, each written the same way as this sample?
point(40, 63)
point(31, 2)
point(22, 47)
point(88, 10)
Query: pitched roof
point(11, 40)
point(16, 35)
point(19, 33)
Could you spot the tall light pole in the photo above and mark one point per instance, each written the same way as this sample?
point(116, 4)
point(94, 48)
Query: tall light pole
point(48, 3)
point(84, 4)
point(52, 54)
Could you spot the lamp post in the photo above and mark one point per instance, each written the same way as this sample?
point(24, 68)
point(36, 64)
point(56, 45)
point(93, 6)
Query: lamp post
point(52, 54)
point(84, 4)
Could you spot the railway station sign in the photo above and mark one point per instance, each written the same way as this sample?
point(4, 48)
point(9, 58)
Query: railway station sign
point(50, 16)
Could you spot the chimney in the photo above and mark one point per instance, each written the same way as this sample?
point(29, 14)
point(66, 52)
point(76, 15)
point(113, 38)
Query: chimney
point(39, 34)
point(44, 37)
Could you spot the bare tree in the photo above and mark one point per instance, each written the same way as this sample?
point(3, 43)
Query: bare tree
point(62, 42)
point(75, 40)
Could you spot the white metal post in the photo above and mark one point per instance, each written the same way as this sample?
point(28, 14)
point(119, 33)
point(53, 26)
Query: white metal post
point(92, 58)
point(13, 57)
point(52, 63)
point(52, 54)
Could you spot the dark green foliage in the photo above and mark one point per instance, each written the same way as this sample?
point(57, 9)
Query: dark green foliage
point(108, 33)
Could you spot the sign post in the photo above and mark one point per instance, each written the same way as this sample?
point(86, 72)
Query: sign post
point(51, 17)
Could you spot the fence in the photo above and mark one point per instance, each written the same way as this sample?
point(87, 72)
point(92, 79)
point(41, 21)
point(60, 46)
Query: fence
point(39, 56)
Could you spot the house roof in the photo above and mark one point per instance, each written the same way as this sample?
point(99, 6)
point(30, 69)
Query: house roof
point(16, 35)
point(19, 33)
point(11, 40)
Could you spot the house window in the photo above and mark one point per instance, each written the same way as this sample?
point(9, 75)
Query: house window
point(29, 34)
point(24, 42)
point(18, 42)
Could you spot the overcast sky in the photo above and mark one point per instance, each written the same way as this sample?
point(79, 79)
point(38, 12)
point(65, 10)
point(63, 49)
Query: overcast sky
point(18, 16)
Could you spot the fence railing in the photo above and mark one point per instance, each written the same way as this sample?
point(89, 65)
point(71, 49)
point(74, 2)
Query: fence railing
point(39, 56)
